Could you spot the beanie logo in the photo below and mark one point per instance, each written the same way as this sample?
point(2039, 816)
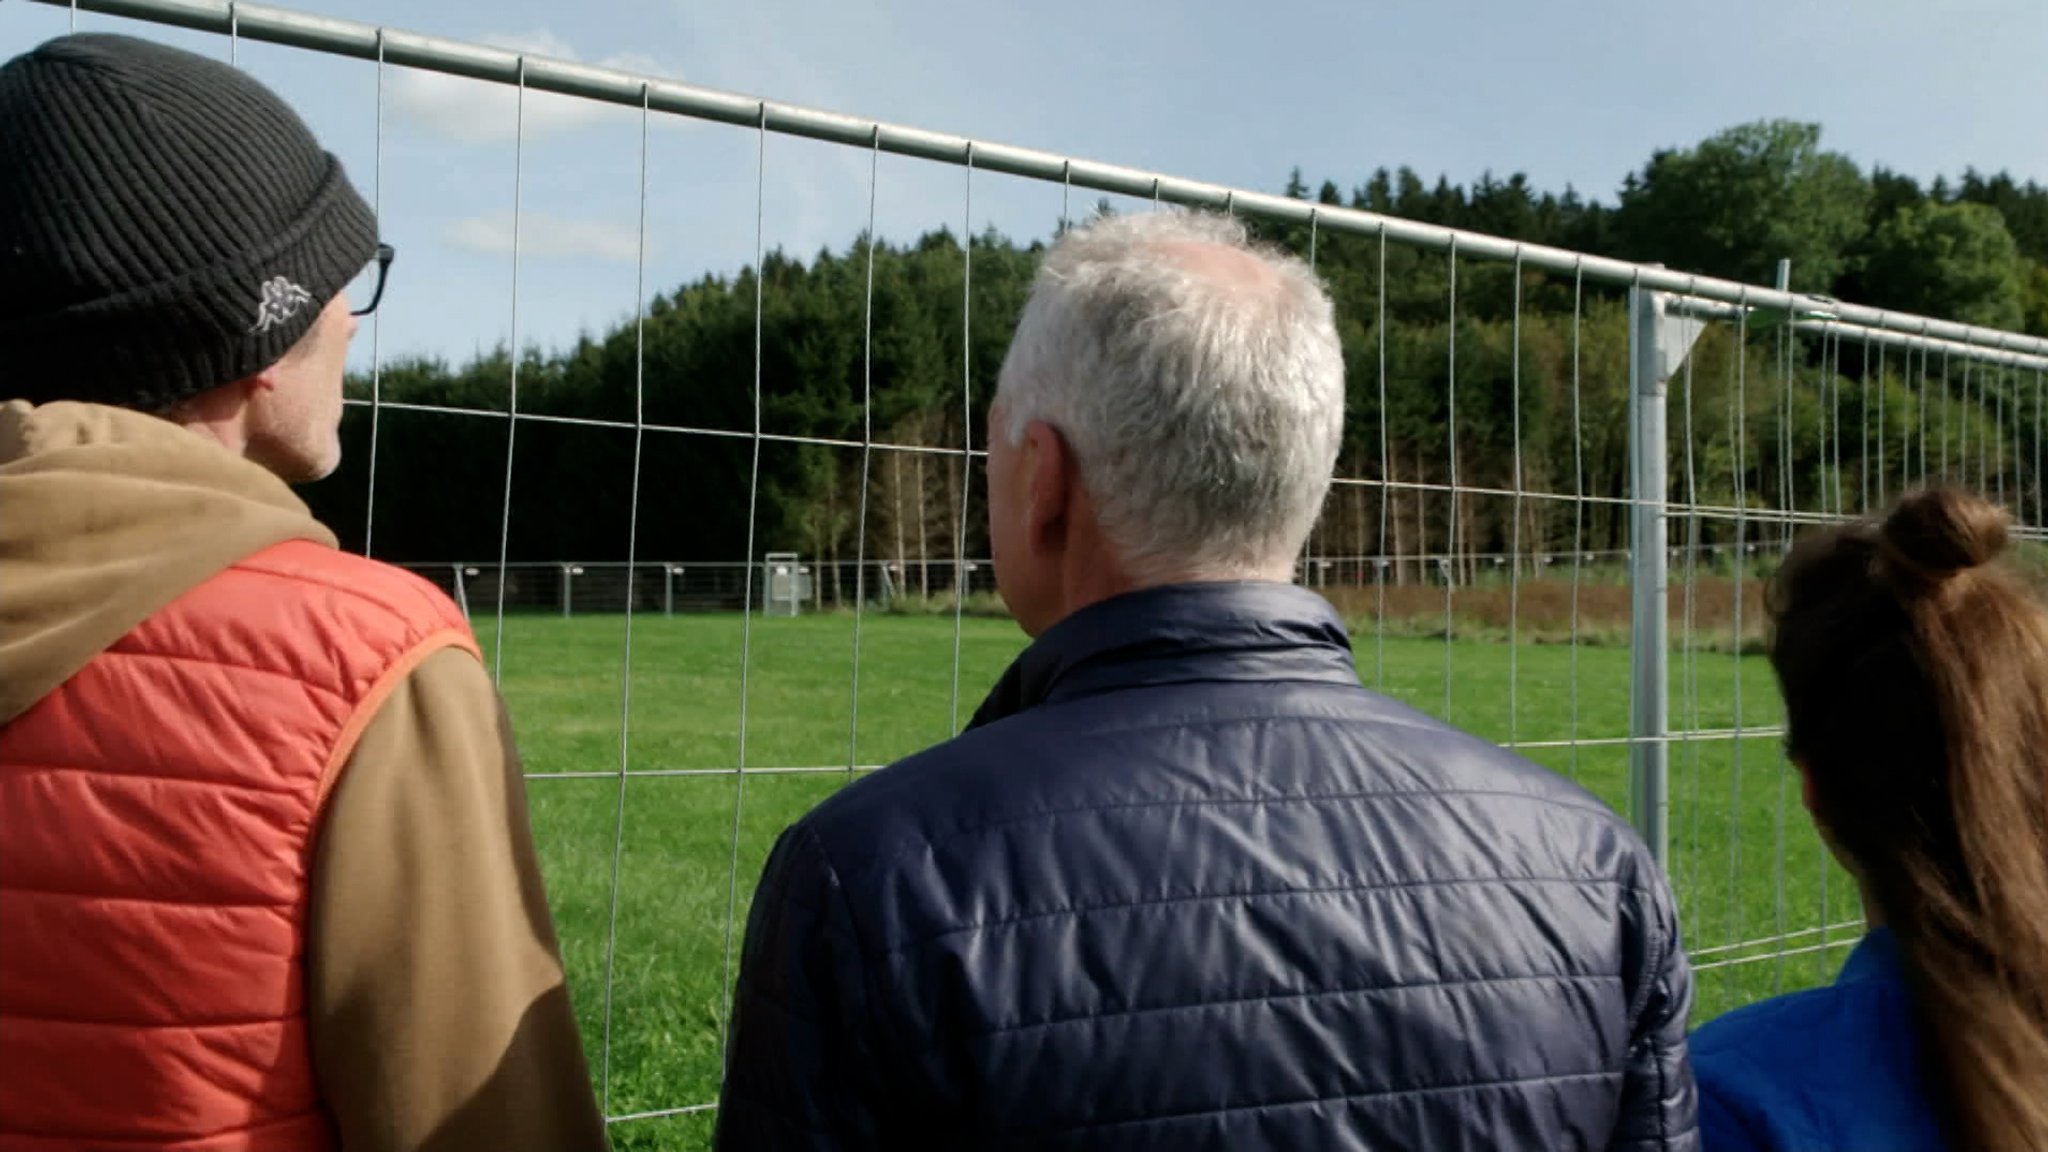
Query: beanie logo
point(282, 300)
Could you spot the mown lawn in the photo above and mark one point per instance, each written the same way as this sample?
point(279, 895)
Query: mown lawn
point(691, 844)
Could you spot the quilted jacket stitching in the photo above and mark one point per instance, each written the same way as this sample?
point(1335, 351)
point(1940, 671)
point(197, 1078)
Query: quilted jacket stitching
point(1255, 894)
point(215, 662)
point(1467, 1087)
point(933, 843)
point(1658, 948)
point(166, 903)
point(1313, 994)
point(131, 1024)
point(158, 777)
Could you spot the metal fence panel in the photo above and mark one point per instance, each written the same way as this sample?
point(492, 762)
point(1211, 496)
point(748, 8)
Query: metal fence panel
point(671, 729)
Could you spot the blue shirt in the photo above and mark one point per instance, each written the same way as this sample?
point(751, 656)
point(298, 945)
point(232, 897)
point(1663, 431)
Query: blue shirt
point(1832, 1067)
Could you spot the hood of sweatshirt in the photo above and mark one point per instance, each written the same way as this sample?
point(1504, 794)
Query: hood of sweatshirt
point(108, 515)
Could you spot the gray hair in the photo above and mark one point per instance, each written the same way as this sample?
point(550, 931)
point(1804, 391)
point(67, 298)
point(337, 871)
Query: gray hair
point(1203, 409)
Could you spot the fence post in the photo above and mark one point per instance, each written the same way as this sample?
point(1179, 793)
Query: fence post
point(1649, 575)
point(569, 574)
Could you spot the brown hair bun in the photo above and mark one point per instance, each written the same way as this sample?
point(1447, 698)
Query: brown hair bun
point(1936, 534)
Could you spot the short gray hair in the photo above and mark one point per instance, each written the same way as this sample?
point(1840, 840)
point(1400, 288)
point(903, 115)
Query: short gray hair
point(1204, 410)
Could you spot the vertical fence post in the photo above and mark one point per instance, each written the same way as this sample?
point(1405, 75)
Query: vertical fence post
point(1649, 576)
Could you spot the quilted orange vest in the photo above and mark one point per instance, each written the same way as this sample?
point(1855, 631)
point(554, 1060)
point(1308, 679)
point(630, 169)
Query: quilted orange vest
point(161, 808)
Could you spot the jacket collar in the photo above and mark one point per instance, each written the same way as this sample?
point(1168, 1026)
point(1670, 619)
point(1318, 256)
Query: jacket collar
point(1179, 633)
point(1874, 959)
point(106, 516)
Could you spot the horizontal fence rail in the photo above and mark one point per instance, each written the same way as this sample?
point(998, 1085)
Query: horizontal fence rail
point(612, 86)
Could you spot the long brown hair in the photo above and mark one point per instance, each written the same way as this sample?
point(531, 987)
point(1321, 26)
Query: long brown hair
point(1914, 667)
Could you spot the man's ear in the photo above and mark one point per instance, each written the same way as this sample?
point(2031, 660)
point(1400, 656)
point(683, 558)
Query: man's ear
point(1805, 786)
point(1050, 477)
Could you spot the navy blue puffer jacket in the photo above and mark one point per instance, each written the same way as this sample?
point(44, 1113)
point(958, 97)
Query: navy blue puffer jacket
point(1185, 884)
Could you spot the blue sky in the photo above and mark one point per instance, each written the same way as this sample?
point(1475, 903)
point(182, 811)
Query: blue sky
point(1570, 93)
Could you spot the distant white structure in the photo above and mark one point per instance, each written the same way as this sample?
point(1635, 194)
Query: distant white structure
point(785, 584)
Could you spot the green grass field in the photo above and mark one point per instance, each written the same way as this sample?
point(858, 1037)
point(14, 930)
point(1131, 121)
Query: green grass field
point(685, 882)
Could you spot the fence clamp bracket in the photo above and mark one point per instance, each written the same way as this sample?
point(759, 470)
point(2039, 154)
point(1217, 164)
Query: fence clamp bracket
point(1677, 330)
point(1764, 319)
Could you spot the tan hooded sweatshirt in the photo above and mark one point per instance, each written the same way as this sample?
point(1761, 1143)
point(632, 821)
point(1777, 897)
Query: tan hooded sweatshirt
point(438, 1009)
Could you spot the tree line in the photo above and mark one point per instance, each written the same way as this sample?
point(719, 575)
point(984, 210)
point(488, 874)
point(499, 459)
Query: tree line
point(864, 413)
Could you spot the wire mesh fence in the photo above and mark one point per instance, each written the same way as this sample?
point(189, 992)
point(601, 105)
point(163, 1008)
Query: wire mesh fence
point(785, 585)
point(793, 584)
point(678, 702)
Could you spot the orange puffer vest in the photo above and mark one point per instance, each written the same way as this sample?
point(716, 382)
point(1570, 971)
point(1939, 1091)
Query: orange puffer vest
point(163, 807)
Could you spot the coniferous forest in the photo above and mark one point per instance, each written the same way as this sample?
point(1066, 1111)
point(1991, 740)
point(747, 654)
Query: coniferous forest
point(1534, 397)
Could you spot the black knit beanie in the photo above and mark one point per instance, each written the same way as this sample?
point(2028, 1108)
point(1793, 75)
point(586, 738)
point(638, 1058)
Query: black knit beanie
point(167, 224)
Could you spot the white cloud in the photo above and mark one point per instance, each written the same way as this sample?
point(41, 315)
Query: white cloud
point(486, 112)
point(542, 235)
